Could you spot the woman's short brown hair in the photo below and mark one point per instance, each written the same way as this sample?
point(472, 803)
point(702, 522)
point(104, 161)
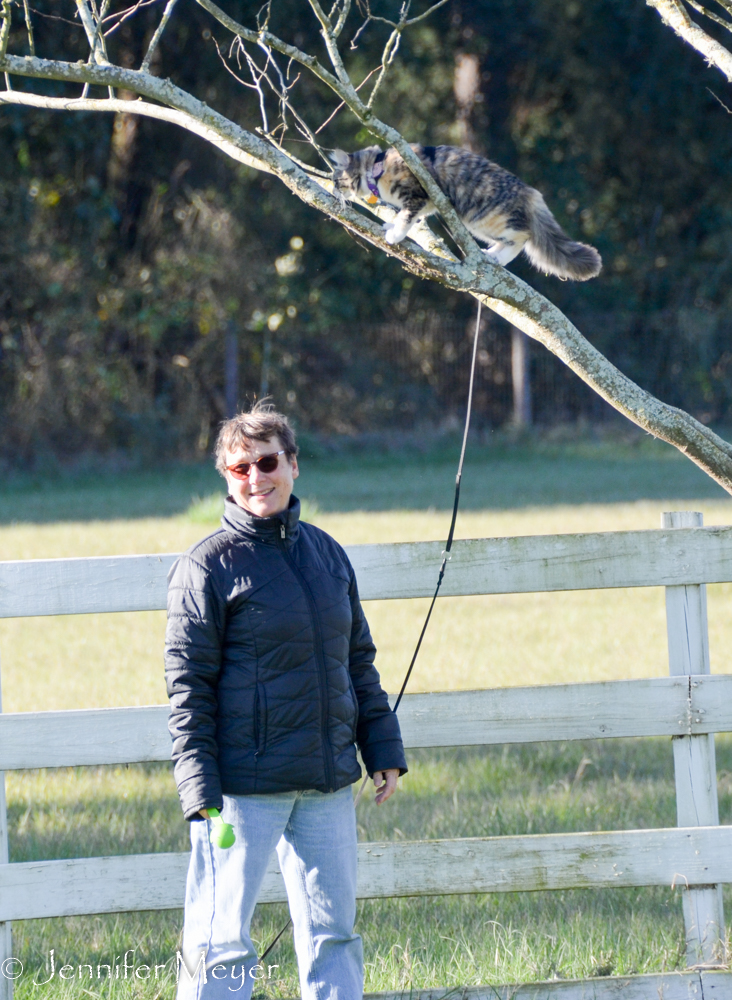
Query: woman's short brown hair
point(260, 423)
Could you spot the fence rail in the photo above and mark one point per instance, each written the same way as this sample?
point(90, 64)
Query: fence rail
point(689, 706)
point(695, 856)
point(663, 706)
point(526, 564)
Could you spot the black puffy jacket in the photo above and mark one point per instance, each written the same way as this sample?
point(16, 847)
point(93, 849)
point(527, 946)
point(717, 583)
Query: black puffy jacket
point(269, 665)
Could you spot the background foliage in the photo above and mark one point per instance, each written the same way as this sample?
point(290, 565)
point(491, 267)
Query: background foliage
point(129, 248)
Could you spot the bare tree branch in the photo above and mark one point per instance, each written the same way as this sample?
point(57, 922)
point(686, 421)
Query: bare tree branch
point(155, 40)
point(387, 58)
point(124, 15)
point(674, 14)
point(710, 14)
point(427, 13)
point(29, 28)
point(331, 44)
point(342, 18)
point(342, 105)
point(93, 36)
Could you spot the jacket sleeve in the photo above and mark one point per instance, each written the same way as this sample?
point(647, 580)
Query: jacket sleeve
point(193, 643)
point(378, 735)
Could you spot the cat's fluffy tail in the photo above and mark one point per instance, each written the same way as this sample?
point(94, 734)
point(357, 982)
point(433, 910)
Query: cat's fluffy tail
point(550, 249)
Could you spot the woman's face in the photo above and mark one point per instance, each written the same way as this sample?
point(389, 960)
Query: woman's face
point(262, 493)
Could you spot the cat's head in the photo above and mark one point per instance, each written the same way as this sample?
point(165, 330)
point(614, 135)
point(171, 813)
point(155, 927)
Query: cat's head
point(350, 170)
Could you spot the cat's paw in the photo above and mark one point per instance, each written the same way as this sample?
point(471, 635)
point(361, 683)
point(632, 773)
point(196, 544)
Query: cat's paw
point(391, 235)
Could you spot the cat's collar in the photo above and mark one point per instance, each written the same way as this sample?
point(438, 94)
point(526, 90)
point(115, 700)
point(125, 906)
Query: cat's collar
point(371, 178)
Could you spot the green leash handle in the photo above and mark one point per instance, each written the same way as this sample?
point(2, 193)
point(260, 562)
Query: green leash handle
point(222, 834)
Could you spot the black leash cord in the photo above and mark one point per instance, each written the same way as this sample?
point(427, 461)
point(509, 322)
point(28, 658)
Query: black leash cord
point(443, 565)
point(455, 505)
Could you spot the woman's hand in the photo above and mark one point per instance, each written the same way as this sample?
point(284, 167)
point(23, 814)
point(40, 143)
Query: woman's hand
point(204, 813)
point(385, 783)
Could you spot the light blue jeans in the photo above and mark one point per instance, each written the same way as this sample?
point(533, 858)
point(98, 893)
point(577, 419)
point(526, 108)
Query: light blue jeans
point(314, 835)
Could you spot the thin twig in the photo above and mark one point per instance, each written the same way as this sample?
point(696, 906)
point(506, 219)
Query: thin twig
point(130, 12)
point(421, 17)
point(353, 46)
point(343, 103)
point(263, 22)
point(343, 17)
point(157, 36)
point(387, 58)
point(29, 28)
point(720, 101)
point(54, 17)
point(257, 82)
point(282, 95)
point(708, 13)
point(726, 4)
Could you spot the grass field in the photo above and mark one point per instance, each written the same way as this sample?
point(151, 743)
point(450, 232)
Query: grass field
point(100, 660)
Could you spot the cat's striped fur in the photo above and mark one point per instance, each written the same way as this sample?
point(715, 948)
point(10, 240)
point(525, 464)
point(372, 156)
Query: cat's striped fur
point(496, 206)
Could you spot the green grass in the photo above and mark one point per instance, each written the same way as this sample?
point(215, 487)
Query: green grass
point(95, 660)
point(543, 788)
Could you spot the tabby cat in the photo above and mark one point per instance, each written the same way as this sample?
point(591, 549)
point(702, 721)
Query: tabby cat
point(495, 206)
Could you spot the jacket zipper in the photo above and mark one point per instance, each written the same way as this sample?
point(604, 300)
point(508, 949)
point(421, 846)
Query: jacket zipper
point(322, 672)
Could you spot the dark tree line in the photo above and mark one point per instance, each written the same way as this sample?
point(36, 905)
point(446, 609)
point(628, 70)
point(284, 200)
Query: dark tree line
point(130, 250)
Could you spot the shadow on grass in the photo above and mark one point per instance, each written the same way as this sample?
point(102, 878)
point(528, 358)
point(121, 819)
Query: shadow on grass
point(494, 478)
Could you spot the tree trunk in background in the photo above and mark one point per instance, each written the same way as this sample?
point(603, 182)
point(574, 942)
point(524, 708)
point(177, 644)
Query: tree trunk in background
point(521, 378)
point(266, 355)
point(466, 87)
point(231, 369)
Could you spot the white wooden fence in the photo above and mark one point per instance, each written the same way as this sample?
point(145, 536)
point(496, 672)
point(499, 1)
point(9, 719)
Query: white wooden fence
point(689, 706)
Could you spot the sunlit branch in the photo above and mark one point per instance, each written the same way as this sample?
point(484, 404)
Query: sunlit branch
point(710, 14)
point(675, 15)
point(29, 28)
point(257, 85)
point(95, 47)
point(138, 107)
point(155, 40)
point(343, 17)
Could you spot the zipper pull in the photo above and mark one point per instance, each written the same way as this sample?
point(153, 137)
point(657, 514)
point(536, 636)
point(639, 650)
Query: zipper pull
point(282, 531)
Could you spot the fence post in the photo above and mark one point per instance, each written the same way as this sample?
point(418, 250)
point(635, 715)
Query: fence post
point(694, 759)
point(6, 936)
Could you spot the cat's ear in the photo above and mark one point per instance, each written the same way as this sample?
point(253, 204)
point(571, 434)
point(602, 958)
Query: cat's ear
point(340, 158)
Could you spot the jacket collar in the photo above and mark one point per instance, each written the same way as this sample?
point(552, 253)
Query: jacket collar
point(240, 522)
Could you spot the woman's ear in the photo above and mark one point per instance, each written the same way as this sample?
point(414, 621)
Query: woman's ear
point(340, 158)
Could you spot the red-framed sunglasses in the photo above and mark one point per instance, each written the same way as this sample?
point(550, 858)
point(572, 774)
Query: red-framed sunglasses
point(265, 463)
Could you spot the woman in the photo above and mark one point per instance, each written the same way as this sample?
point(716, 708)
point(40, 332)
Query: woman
point(269, 666)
